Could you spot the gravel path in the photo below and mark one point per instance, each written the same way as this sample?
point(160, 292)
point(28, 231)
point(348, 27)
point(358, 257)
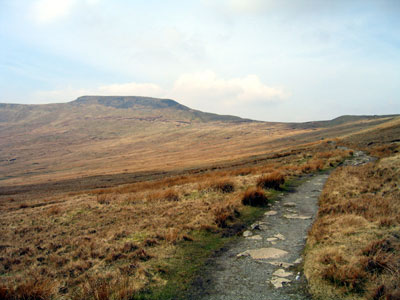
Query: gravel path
point(264, 264)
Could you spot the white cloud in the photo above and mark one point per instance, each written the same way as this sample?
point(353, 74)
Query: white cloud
point(56, 96)
point(283, 7)
point(202, 87)
point(47, 11)
point(247, 6)
point(201, 90)
point(124, 89)
point(239, 7)
point(131, 89)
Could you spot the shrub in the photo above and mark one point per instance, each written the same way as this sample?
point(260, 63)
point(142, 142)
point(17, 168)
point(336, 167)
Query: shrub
point(254, 197)
point(271, 181)
point(224, 186)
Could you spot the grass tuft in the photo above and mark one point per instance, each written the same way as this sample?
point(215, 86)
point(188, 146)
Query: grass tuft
point(35, 288)
point(224, 186)
point(271, 181)
point(254, 197)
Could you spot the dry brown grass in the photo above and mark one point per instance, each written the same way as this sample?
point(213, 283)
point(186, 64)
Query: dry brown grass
point(271, 181)
point(224, 185)
point(107, 242)
point(353, 250)
point(254, 197)
point(385, 150)
point(124, 150)
point(312, 166)
point(70, 143)
point(34, 288)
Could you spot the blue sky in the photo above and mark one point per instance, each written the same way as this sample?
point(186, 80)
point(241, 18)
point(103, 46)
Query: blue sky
point(268, 60)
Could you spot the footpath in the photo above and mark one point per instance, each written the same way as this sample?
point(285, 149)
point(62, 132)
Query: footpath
point(266, 262)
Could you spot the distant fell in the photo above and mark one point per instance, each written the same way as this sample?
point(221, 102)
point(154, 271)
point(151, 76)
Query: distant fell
point(345, 119)
point(112, 107)
point(145, 103)
point(126, 102)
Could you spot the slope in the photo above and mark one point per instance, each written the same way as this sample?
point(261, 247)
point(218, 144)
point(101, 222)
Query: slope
point(97, 135)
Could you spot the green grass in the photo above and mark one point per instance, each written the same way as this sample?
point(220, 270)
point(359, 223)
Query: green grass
point(251, 214)
point(184, 265)
point(180, 270)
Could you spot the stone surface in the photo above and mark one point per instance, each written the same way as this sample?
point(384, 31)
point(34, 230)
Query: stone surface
point(271, 213)
point(247, 233)
point(264, 253)
point(299, 260)
point(255, 237)
point(289, 204)
point(278, 282)
point(282, 273)
point(296, 216)
point(272, 239)
point(281, 264)
point(280, 236)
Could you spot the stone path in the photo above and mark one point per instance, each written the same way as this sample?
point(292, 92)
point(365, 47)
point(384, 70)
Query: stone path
point(264, 264)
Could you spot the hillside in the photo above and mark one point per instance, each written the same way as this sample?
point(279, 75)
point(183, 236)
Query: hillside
point(128, 197)
point(143, 107)
point(96, 135)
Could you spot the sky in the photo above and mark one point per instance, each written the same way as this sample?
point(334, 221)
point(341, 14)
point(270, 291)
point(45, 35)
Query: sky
point(286, 60)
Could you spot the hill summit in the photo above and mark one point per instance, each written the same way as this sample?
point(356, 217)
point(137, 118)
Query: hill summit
point(153, 106)
point(126, 102)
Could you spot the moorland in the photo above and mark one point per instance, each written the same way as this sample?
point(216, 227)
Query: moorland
point(126, 197)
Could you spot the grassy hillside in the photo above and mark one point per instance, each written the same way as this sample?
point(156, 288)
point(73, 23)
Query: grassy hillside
point(144, 240)
point(95, 135)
